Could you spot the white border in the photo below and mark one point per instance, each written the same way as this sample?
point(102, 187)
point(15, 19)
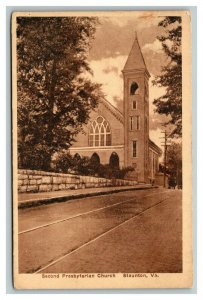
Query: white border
point(3, 5)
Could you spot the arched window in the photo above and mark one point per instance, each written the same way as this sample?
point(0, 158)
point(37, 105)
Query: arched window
point(95, 159)
point(99, 133)
point(114, 160)
point(133, 88)
point(77, 156)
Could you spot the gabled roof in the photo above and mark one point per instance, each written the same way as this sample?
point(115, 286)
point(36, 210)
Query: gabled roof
point(135, 60)
point(154, 147)
point(112, 109)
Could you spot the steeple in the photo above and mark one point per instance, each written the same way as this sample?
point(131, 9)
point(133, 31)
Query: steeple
point(135, 60)
point(136, 113)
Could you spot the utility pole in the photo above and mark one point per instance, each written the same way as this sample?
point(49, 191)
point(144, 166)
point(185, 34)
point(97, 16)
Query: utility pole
point(165, 144)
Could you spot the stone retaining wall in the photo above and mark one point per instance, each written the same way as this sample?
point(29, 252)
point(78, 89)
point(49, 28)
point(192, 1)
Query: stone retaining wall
point(39, 181)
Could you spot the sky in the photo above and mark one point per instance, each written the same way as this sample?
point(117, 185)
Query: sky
point(110, 48)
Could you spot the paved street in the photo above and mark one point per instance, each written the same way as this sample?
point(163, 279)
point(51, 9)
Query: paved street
point(133, 231)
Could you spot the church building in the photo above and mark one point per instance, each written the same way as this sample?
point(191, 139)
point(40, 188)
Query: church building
point(123, 139)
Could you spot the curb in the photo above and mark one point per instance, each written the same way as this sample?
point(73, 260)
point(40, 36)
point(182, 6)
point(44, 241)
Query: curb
point(45, 201)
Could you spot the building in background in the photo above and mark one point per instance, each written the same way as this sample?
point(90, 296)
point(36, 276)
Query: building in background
point(123, 139)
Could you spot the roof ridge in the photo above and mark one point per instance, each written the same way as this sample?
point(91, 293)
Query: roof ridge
point(115, 111)
point(154, 144)
point(113, 106)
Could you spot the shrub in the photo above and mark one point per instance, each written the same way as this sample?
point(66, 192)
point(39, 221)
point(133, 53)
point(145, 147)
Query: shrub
point(64, 163)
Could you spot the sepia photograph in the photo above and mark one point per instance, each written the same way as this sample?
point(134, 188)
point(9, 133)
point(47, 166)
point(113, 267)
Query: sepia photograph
point(102, 168)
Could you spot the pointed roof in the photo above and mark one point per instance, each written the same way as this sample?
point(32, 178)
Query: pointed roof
point(115, 111)
point(135, 60)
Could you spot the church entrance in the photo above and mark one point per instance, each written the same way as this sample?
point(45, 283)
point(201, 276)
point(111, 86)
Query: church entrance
point(114, 160)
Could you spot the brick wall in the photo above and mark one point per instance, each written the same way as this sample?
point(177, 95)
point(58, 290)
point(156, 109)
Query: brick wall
point(40, 181)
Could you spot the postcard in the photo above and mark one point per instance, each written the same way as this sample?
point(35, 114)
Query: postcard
point(102, 164)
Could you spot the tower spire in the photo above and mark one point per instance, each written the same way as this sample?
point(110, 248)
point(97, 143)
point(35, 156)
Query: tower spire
point(136, 113)
point(135, 60)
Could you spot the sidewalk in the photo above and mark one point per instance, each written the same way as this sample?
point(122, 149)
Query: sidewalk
point(34, 199)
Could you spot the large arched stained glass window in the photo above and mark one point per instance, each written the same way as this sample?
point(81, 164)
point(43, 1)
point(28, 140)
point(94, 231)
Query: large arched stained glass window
point(99, 133)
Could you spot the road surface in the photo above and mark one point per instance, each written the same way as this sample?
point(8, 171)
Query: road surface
point(133, 232)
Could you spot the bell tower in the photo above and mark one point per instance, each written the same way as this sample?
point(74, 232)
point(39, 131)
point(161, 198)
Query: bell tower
point(136, 114)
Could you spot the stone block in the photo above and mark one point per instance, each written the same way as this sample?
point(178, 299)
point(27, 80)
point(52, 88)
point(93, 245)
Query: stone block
point(68, 180)
point(25, 181)
point(39, 181)
point(62, 186)
point(32, 188)
point(22, 189)
point(20, 182)
point(84, 179)
point(33, 182)
point(22, 176)
point(57, 180)
point(31, 172)
point(37, 177)
point(81, 185)
point(68, 186)
point(46, 179)
point(45, 188)
point(90, 179)
point(63, 180)
point(21, 171)
point(55, 187)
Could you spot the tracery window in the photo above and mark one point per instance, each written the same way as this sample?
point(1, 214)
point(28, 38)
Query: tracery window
point(99, 133)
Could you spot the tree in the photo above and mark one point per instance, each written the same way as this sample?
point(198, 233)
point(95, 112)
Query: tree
point(63, 162)
point(170, 103)
point(54, 97)
point(174, 161)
